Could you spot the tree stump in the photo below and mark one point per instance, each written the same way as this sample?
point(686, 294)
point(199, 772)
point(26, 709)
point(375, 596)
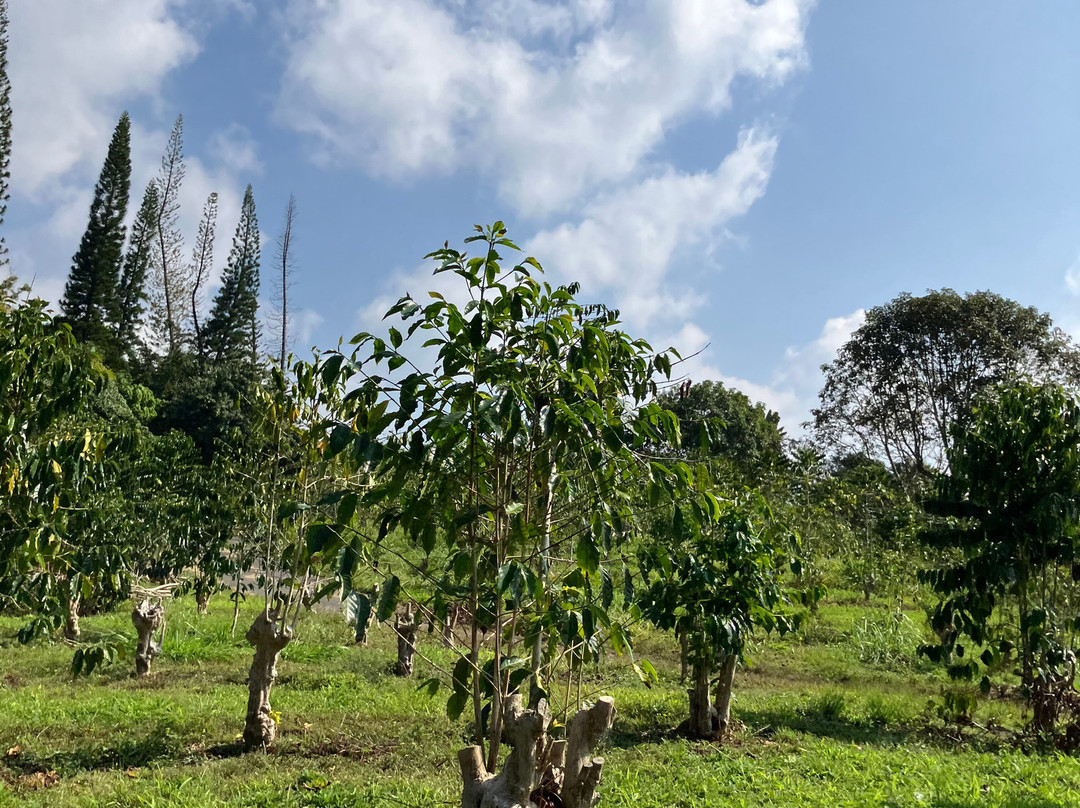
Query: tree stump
point(536, 764)
point(582, 773)
point(147, 620)
point(260, 729)
point(406, 644)
point(511, 788)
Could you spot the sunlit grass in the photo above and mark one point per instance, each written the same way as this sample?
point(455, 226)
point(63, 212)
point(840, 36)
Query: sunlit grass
point(819, 727)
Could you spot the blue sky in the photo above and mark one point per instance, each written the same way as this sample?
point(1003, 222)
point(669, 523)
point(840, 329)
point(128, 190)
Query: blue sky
point(751, 176)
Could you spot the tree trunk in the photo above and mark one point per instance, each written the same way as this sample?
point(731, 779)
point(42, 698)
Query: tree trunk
point(147, 620)
point(701, 709)
point(406, 644)
point(268, 639)
point(71, 618)
point(722, 702)
point(684, 667)
point(448, 630)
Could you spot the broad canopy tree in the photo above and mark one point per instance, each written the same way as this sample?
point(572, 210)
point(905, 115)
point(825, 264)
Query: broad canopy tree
point(917, 365)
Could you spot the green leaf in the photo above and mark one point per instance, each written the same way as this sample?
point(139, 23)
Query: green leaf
point(456, 704)
point(476, 330)
point(587, 554)
point(319, 536)
point(388, 598)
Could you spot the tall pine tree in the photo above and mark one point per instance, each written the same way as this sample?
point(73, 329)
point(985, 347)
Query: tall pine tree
point(170, 287)
point(202, 261)
point(5, 127)
point(233, 328)
point(132, 290)
point(91, 300)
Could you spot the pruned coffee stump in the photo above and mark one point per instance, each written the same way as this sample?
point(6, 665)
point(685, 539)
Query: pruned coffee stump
point(268, 639)
point(147, 620)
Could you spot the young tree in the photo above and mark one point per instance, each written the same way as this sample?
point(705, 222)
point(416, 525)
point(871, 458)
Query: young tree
point(233, 329)
point(713, 584)
point(5, 128)
point(917, 365)
point(171, 285)
point(1012, 504)
point(137, 262)
point(91, 302)
point(44, 378)
point(517, 454)
point(202, 262)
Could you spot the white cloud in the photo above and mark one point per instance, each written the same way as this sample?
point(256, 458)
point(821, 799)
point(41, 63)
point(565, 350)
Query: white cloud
point(626, 241)
point(1072, 277)
point(73, 64)
point(409, 87)
point(792, 390)
point(235, 149)
point(302, 325)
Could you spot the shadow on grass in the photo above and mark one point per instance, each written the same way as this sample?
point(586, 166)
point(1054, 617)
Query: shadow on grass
point(127, 754)
point(837, 727)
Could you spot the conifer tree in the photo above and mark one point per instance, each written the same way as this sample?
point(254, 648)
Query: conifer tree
point(233, 328)
point(132, 289)
point(170, 280)
point(90, 301)
point(285, 264)
point(5, 127)
point(202, 261)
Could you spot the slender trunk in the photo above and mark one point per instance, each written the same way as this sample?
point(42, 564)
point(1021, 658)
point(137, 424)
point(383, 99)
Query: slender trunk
point(1027, 662)
point(202, 598)
point(545, 547)
point(363, 627)
point(701, 709)
point(722, 702)
point(268, 639)
point(236, 604)
point(684, 659)
point(147, 620)
point(448, 629)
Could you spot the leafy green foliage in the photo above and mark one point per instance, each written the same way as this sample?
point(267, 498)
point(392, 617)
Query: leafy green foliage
point(515, 456)
point(1009, 521)
point(918, 364)
point(718, 582)
point(232, 331)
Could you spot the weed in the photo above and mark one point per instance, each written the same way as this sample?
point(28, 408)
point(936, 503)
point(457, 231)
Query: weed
point(889, 640)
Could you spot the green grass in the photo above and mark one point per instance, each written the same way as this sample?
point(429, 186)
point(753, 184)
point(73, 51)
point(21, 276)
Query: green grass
point(823, 722)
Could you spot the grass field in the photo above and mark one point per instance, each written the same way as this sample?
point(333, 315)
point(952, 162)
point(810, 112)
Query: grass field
point(836, 717)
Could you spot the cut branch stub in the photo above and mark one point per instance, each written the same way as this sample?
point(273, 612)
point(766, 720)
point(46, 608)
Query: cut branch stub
point(147, 619)
point(582, 773)
point(523, 729)
point(268, 639)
